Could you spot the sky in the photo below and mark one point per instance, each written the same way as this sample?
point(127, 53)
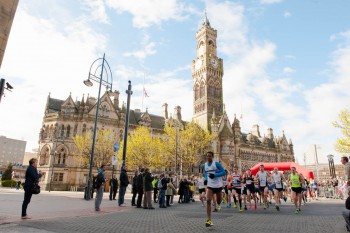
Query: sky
point(286, 62)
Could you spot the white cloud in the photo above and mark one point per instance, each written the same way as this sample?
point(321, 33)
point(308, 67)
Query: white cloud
point(270, 1)
point(287, 14)
point(42, 57)
point(147, 50)
point(97, 9)
point(288, 70)
point(149, 12)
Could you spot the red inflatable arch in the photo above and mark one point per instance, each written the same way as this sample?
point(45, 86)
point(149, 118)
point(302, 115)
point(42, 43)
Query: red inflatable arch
point(283, 166)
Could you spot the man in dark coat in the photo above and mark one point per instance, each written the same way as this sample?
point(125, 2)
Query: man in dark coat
point(32, 177)
point(140, 188)
point(134, 189)
point(113, 188)
point(124, 182)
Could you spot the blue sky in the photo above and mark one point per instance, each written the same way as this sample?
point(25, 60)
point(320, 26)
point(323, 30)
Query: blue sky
point(285, 62)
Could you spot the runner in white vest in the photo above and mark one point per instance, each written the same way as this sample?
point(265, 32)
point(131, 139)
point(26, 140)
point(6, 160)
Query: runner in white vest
point(262, 177)
point(213, 172)
point(278, 178)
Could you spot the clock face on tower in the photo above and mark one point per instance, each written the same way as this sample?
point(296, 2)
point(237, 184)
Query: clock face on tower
point(214, 63)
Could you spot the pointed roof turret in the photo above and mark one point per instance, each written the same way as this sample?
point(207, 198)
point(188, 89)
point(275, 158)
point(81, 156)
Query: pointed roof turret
point(205, 20)
point(82, 100)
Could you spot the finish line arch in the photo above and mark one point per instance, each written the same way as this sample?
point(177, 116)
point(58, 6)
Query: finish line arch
point(284, 166)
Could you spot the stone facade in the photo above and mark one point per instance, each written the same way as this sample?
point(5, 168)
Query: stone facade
point(63, 119)
point(230, 145)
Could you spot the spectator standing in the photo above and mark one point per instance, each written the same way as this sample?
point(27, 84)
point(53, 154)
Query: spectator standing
point(155, 189)
point(345, 161)
point(100, 186)
point(32, 176)
point(346, 211)
point(140, 188)
point(134, 189)
point(113, 188)
point(124, 182)
point(147, 186)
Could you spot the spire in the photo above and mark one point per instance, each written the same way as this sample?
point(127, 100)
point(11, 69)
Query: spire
point(206, 20)
point(48, 102)
point(82, 100)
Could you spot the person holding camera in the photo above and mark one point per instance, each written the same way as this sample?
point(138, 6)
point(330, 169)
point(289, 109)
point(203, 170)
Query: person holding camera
point(31, 179)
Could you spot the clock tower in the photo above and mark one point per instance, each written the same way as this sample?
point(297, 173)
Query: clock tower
point(207, 72)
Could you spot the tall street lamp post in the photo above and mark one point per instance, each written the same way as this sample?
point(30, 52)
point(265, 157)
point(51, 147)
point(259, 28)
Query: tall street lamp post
point(105, 68)
point(129, 93)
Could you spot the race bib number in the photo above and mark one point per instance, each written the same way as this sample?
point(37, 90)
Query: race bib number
point(262, 181)
point(248, 182)
point(278, 185)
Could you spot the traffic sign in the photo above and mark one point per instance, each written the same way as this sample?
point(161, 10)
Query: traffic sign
point(116, 146)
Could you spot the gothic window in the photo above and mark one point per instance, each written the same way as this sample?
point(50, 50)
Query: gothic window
point(196, 92)
point(68, 109)
point(84, 128)
point(104, 110)
point(46, 131)
point(68, 131)
point(75, 130)
point(62, 131)
point(61, 156)
point(51, 130)
point(202, 91)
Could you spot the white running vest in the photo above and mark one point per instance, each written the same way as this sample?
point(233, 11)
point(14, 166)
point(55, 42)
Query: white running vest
point(277, 179)
point(262, 178)
point(201, 183)
point(216, 182)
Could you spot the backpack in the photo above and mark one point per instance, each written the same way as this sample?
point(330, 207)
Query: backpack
point(159, 184)
point(98, 180)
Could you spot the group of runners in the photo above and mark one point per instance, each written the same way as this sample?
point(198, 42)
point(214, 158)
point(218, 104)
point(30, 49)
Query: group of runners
point(218, 186)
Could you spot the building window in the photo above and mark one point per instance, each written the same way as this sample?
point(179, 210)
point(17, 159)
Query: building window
point(68, 131)
point(58, 177)
point(61, 156)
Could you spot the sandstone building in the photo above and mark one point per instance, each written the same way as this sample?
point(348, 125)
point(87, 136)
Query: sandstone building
point(63, 119)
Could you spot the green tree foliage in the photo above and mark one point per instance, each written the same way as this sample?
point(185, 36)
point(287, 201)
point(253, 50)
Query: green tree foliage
point(7, 175)
point(343, 144)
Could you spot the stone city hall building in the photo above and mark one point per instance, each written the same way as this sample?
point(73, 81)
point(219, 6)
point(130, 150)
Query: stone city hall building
point(63, 119)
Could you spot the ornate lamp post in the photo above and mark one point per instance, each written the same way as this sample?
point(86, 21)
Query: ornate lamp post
point(105, 68)
point(331, 165)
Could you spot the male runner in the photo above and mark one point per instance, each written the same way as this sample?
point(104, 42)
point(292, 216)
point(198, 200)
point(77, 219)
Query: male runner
point(262, 176)
point(201, 188)
point(236, 188)
point(278, 178)
point(296, 180)
point(213, 171)
point(249, 183)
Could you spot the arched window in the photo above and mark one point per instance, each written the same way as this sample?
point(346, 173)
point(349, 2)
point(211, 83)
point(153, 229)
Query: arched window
point(84, 128)
point(202, 91)
point(62, 131)
point(75, 130)
point(196, 92)
point(68, 131)
point(61, 156)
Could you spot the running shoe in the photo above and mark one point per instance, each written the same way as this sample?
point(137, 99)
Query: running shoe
point(250, 206)
point(229, 206)
point(209, 223)
point(215, 210)
point(234, 205)
point(285, 198)
point(218, 208)
point(245, 207)
point(255, 207)
point(265, 207)
point(240, 209)
point(277, 208)
point(297, 211)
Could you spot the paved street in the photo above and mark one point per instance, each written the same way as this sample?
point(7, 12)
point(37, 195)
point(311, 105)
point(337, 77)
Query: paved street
point(68, 212)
